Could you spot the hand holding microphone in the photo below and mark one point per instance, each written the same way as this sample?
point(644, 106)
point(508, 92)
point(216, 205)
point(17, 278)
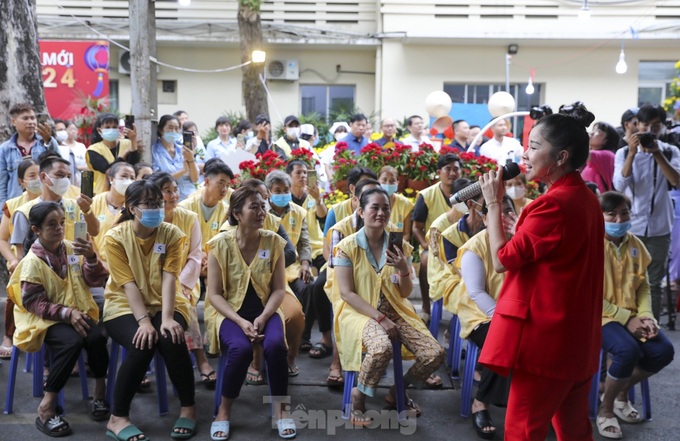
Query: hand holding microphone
point(510, 171)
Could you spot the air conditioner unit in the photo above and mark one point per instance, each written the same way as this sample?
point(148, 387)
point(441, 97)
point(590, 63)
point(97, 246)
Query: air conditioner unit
point(124, 66)
point(286, 70)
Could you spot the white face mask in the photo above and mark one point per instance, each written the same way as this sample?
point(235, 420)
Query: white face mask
point(121, 185)
point(338, 136)
point(61, 136)
point(462, 207)
point(59, 185)
point(293, 132)
point(516, 192)
point(33, 186)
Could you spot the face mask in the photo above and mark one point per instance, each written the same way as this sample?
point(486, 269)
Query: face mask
point(293, 132)
point(389, 188)
point(615, 229)
point(61, 135)
point(171, 137)
point(152, 217)
point(120, 185)
point(59, 185)
point(249, 135)
point(462, 207)
point(281, 200)
point(34, 186)
point(516, 192)
point(338, 136)
point(110, 134)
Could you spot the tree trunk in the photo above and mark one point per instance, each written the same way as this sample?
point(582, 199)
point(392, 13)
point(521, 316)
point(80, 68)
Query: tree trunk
point(143, 72)
point(20, 70)
point(250, 33)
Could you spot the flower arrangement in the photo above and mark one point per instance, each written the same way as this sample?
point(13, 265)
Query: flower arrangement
point(343, 162)
point(88, 116)
point(334, 197)
point(533, 191)
point(305, 156)
point(397, 155)
point(474, 167)
point(423, 163)
point(266, 162)
point(372, 156)
point(672, 103)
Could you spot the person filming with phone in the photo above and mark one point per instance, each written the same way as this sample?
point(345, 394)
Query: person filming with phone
point(645, 171)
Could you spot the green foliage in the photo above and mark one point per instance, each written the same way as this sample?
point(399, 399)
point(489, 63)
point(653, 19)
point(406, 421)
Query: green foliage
point(402, 131)
point(253, 5)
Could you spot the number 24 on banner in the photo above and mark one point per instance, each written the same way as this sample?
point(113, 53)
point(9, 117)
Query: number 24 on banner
point(50, 74)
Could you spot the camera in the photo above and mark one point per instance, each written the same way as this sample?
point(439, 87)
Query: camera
point(539, 112)
point(646, 139)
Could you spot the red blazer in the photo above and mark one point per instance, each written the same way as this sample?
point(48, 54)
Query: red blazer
point(548, 319)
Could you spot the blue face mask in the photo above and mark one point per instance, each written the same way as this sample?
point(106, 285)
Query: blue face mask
point(614, 229)
point(152, 217)
point(172, 137)
point(389, 188)
point(281, 200)
point(110, 134)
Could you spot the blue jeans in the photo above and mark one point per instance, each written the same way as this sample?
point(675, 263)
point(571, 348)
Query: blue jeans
point(629, 352)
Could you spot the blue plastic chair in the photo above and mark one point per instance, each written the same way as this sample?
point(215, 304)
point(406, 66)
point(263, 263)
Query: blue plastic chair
point(468, 379)
point(436, 317)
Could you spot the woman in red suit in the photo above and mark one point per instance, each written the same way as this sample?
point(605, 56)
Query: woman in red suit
point(546, 329)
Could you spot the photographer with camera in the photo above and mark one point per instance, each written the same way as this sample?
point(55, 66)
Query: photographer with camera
point(645, 171)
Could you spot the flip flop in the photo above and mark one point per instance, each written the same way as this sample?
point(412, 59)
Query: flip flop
point(184, 423)
point(293, 370)
point(254, 378)
point(335, 381)
point(285, 424)
point(358, 419)
point(208, 382)
point(5, 352)
point(434, 381)
point(127, 433)
point(219, 426)
point(408, 402)
point(52, 425)
point(305, 346)
point(320, 350)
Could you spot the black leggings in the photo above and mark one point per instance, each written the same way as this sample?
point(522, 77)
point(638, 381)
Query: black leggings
point(131, 373)
point(319, 306)
point(64, 345)
point(493, 388)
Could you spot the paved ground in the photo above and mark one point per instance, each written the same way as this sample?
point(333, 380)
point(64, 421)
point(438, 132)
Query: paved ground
point(317, 408)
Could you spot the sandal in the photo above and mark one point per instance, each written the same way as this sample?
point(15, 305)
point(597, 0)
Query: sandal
point(335, 381)
point(293, 370)
point(219, 426)
point(144, 385)
point(481, 420)
point(254, 377)
point(99, 410)
point(320, 350)
point(626, 412)
point(411, 405)
point(604, 423)
point(286, 425)
point(54, 426)
point(186, 424)
point(127, 434)
point(5, 352)
point(305, 346)
point(434, 381)
point(209, 380)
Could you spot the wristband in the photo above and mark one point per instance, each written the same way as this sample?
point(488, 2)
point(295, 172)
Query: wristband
point(142, 318)
point(406, 274)
point(381, 318)
point(488, 204)
point(88, 212)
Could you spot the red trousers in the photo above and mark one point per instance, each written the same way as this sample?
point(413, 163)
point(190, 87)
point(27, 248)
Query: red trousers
point(534, 401)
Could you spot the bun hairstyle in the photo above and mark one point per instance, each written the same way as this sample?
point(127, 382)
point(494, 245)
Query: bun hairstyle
point(238, 199)
point(139, 192)
point(36, 217)
point(567, 131)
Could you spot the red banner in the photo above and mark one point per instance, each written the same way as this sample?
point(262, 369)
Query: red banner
point(72, 72)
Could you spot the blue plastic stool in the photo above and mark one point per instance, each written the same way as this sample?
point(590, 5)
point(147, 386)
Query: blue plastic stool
point(436, 317)
point(350, 378)
point(161, 383)
point(454, 355)
point(594, 397)
point(468, 379)
point(36, 359)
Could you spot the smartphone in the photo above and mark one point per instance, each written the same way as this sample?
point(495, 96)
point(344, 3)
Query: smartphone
point(80, 231)
point(87, 183)
point(241, 138)
point(129, 121)
point(188, 140)
point(312, 180)
point(395, 239)
point(43, 118)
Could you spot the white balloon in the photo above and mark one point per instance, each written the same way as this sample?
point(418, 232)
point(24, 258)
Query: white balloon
point(438, 103)
point(501, 103)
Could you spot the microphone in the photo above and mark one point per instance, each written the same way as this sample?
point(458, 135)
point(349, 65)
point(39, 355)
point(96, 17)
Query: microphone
point(510, 171)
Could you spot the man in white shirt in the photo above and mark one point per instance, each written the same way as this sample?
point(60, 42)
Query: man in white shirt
point(417, 135)
point(501, 147)
point(644, 170)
